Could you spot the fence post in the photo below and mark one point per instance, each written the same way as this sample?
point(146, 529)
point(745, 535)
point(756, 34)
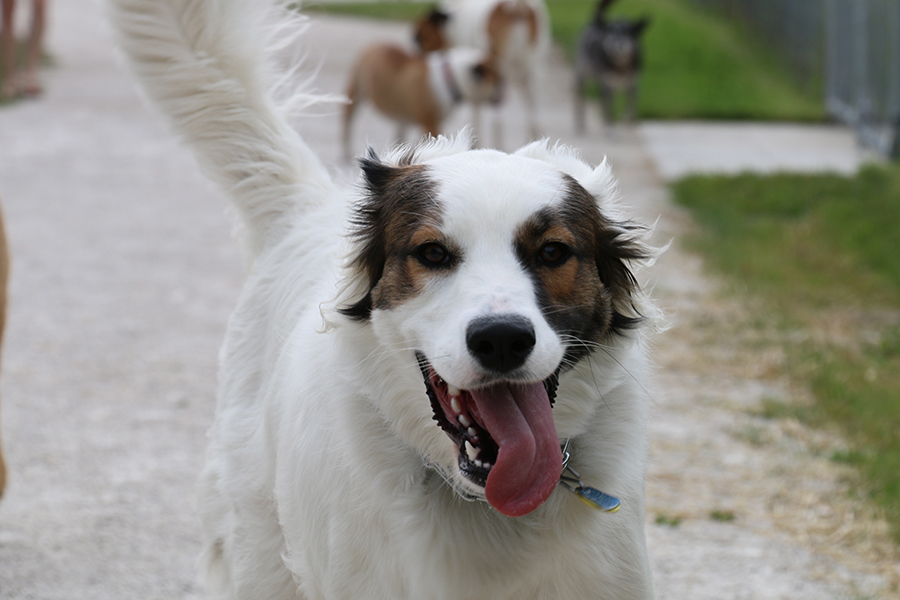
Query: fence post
point(893, 101)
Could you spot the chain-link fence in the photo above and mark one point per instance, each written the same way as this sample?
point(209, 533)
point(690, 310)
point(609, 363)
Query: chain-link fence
point(852, 46)
point(794, 27)
point(862, 66)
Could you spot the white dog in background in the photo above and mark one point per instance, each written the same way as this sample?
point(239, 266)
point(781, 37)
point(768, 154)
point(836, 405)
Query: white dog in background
point(514, 33)
point(410, 362)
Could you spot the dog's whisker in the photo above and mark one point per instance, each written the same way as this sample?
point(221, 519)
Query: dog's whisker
point(552, 310)
point(591, 365)
point(383, 352)
point(633, 377)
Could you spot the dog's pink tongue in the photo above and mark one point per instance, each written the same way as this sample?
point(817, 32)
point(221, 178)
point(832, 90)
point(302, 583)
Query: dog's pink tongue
point(520, 419)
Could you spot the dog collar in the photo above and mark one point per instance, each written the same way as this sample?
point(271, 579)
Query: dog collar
point(570, 479)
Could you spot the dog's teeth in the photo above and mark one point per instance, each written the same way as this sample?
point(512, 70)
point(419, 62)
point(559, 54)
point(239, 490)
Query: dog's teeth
point(478, 463)
point(464, 421)
point(471, 431)
point(472, 451)
point(486, 465)
point(454, 404)
point(453, 391)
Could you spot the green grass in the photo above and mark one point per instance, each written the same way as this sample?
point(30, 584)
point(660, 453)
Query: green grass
point(396, 11)
point(823, 253)
point(723, 516)
point(668, 520)
point(697, 65)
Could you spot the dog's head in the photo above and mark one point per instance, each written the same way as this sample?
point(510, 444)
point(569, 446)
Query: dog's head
point(622, 42)
point(429, 31)
point(467, 74)
point(495, 273)
point(618, 40)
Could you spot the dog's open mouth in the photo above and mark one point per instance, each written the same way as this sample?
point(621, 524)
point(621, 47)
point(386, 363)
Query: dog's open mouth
point(507, 438)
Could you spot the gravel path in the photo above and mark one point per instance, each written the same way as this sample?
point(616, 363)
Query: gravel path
point(123, 279)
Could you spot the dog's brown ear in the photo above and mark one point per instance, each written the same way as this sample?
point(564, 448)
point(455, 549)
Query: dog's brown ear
point(603, 5)
point(615, 245)
point(368, 233)
point(395, 197)
point(600, 12)
point(377, 175)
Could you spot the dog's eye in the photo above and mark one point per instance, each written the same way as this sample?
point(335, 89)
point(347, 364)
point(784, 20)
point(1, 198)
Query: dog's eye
point(554, 254)
point(433, 255)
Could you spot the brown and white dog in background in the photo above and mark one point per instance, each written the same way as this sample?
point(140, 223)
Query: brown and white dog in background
point(515, 34)
point(418, 89)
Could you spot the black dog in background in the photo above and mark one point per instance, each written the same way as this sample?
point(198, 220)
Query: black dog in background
point(609, 52)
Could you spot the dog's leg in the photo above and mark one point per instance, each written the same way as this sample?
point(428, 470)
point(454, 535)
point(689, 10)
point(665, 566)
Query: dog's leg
point(2, 473)
point(215, 559)
point(475, 121)
point(243, 546)
point(4, 277)
point(606, 105)
point(530, 109)
point(579, 92)
point(497, 114)
point(202, 62)
point(402, 128)
point(631, 102)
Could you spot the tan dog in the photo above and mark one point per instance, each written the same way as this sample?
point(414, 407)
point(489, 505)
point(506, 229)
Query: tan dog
point(4, 276)
point(418, 89)
point(514, 33)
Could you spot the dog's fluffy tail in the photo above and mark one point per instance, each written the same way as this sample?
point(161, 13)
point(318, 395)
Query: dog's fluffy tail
point(204, 63)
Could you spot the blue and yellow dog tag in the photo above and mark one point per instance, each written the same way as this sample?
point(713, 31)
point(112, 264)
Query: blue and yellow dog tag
point(571, 480)
point(597, 499)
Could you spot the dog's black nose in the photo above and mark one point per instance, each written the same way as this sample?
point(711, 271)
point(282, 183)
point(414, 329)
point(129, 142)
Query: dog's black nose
point(501, 344)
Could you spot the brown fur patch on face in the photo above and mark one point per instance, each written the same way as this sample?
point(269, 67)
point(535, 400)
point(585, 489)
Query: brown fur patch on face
point(589, 292)
point(405, 275)
point(397, 216)
point(567, 281)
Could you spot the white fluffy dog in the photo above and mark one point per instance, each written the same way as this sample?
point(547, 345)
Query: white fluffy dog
point(408, 360)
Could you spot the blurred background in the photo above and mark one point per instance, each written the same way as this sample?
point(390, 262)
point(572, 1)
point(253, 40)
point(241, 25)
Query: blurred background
point(763, 144)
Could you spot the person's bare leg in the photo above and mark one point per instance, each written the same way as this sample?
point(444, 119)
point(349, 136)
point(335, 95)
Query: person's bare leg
point(8, 49)
point(30, 82)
